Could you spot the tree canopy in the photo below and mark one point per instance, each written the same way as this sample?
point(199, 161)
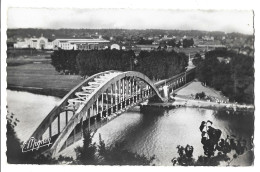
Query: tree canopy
point(155, 64)
point(229, 72)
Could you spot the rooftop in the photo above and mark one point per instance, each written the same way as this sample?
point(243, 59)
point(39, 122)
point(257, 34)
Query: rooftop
point(146, 46)
point(78, 40)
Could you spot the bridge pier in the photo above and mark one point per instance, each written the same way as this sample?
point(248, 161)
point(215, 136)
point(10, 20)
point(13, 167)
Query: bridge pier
point(165, 91)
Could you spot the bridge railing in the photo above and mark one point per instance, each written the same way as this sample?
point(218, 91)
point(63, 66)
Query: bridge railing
point(159, 85)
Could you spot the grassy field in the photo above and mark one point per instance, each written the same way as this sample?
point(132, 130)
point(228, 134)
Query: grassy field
point(21, 60)
point(17, 53)
point(40, 76)
point(191, 50)
point(196, 87)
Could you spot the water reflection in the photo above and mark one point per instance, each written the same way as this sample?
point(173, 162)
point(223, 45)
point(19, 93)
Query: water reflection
point(30, 109)
point(153, 132)
point(159, 133)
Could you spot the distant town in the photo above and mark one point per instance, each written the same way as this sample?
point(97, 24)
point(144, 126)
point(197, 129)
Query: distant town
point(120, 39)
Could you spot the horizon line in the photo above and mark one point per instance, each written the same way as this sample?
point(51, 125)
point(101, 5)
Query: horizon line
point(136, 29)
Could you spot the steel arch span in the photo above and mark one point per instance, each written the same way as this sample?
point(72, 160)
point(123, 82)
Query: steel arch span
point(99, 98)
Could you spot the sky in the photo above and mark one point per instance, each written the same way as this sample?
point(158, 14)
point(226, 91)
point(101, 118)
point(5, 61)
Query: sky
point(210, 20)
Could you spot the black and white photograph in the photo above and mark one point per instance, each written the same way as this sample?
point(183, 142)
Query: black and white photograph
point(129, 87)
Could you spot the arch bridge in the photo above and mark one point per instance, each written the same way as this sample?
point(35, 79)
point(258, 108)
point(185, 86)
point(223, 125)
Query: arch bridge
point(97, 100)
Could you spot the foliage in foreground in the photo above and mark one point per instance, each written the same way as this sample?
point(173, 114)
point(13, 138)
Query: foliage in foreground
point(92, 154)
point(118, 155)
point(212, 144)
point(89, 154)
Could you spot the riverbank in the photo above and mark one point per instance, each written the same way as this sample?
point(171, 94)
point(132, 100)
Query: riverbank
point(210, 105)
point(42, 91)
point(40, 78)
point(184, 97)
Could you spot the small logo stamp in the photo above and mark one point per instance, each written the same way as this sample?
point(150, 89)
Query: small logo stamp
point(33, 144)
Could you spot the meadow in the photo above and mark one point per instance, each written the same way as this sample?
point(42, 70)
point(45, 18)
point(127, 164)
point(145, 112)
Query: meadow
point(38, 76)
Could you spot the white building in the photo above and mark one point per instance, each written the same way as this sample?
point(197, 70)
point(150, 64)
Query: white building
point(65, 44)
point(115, 46)
point(80, 44)
point(37, 43)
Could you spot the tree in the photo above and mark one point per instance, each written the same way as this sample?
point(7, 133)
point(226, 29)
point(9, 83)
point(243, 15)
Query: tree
point(229, 72)
point(95, 61)
point(161, 64)
point(178, 44)
point(188, 43)
point(14, 148)
point(144, 42)
point(65, 61)
point(172, 42)
point(86, 154)
point(118, 155)
point(200, 95)
point(14, 151)
point(210, 138)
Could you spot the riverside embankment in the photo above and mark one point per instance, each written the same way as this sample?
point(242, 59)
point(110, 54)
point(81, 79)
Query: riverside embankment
point(185, 96)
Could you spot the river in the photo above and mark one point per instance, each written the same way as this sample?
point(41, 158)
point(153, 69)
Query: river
point(150, 133)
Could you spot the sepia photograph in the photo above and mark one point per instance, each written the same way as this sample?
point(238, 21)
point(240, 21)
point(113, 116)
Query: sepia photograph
point(129, 87)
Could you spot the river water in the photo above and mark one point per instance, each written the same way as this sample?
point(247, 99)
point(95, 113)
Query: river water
point(154, 132)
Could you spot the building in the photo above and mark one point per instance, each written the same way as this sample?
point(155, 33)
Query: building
point(208, 38)
point(190, 64)
point(115, 46)
point(63, 43)
point(37, 43)
point(167, 37)
point(80, 44)
point(211, 46)
point(145, 47)
point(138, 48)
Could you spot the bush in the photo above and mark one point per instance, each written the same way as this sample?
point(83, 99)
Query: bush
point(201, 95)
